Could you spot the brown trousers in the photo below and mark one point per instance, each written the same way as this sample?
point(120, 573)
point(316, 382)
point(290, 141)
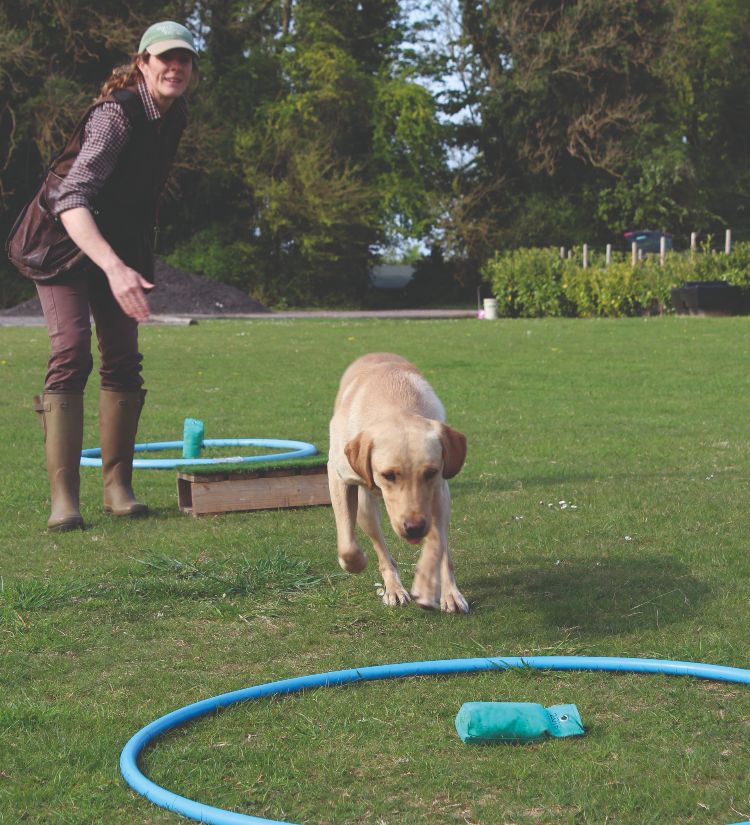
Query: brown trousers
point(67, 306)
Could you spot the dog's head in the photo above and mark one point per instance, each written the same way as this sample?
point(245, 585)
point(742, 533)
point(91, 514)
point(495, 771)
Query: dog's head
point(408, 462)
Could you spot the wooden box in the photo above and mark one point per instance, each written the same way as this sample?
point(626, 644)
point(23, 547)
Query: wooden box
point(242, 490)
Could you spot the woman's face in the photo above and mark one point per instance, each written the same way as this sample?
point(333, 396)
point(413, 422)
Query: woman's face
point(167, 75)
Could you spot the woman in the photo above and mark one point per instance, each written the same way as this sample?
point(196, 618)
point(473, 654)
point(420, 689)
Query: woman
point(114, 170)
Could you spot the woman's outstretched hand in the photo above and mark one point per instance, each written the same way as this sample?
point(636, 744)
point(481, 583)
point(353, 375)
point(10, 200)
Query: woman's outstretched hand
point(129, 289)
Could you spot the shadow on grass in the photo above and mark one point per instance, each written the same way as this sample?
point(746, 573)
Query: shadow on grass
point(597, 597)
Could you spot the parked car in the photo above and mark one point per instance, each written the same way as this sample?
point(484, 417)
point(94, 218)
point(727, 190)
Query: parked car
point(648, 240)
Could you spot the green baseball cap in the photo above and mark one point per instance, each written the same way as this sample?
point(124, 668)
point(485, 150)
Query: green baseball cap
point(161, 37)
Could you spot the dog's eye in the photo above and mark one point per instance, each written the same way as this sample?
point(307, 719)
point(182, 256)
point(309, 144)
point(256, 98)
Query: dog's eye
point(430, 474)
point(389, 476)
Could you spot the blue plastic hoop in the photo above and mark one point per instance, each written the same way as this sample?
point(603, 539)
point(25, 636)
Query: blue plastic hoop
point(218, 816)
point(91, 457)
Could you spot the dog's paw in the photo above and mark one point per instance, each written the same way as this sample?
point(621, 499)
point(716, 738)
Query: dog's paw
point(453, 602)
point(396, 596)
point(353, 561)
point(424, 601)
point(425, 592)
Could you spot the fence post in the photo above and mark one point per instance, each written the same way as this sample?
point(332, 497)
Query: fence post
point(693, 242)
point(585, 256)
point(634, 253)
point(608, 254)
point(728, 242)
point(562, 253)
point(662, 250)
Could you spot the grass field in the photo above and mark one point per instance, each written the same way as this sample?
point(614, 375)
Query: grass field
point(603, 510)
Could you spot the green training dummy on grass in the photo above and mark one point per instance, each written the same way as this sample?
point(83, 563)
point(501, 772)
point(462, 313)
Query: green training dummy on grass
point(487, 722)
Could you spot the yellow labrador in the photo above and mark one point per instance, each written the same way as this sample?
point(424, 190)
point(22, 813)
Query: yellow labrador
point(388, 439)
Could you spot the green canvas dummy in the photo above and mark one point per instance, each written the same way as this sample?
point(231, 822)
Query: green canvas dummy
point(485, 722)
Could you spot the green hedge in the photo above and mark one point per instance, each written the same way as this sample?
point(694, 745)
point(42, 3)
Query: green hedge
point(536, 282)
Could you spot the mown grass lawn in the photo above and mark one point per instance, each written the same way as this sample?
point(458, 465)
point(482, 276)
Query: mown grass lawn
point(603, 510)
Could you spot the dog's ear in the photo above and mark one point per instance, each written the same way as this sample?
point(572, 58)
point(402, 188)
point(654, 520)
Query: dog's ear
point(454, 450)
point(359, 451)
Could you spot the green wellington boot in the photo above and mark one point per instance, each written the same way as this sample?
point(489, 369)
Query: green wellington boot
point(118, 424)
point(62, 420)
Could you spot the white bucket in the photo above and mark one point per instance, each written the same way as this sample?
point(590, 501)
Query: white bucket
point(490, 309)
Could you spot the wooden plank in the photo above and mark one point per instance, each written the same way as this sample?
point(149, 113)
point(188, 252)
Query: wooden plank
point(240, 493)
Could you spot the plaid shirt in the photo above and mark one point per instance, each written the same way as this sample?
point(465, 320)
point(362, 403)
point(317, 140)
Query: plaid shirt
point(104, 136)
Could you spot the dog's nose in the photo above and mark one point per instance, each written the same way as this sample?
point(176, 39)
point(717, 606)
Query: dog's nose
point(415, 529)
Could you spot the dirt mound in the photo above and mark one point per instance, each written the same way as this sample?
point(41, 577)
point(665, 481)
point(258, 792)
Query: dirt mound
point(178, 293)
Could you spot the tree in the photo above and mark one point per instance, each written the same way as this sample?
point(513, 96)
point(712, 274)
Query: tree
point(597, 116)
point(563, 93)
point(339, 151)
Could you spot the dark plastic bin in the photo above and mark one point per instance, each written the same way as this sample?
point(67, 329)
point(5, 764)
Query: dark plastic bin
point(709, 298)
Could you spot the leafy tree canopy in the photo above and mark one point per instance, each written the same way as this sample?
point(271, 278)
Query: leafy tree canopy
point(325, 132)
